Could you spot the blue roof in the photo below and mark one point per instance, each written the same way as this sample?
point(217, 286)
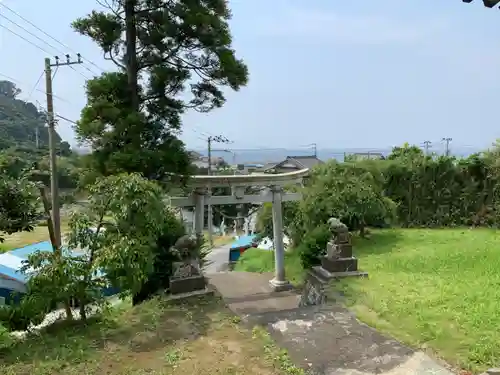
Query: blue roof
point(17, 256)
point(24, 252)
point(243, 241)
point(12, 273)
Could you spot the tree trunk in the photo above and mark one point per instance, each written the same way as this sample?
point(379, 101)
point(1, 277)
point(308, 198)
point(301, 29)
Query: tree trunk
point(362, 232)
point(83, 313)
point(67, 308)
point(131, 52)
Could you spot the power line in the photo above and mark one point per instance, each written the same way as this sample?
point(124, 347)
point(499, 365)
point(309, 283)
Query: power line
point(65, 119)
point(40, 39)
point(34, 44)
point(35, 89)
point(25, 39)
point(29, 32)
point(50, 36)
point(35, 86)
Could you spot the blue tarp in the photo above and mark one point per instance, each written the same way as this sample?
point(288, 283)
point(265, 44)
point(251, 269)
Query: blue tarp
point(243, 242)
point(239, 246)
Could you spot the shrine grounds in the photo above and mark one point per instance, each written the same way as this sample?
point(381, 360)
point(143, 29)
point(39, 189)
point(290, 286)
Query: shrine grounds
point(434, 289)
point(194, 336)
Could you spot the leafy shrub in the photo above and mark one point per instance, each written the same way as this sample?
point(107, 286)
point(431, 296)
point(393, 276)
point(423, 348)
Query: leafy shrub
point(348, 191)
point(442, 191)
point(5, 338)
point(313, 246)
point(171, 231)
point(21, 316)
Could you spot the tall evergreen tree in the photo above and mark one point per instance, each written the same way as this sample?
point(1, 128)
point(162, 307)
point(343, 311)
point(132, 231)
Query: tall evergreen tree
point(172, 56)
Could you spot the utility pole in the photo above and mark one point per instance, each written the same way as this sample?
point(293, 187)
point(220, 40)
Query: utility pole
point(37, 137)
point(315, 149)
point(427, 146)
point(447, 146)
point(54, 185)
point(210, 140)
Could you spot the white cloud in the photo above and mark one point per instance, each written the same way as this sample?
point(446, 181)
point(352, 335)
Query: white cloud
point(346, 28)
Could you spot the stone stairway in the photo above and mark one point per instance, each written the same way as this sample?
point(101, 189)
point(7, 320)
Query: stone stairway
point(325, 339)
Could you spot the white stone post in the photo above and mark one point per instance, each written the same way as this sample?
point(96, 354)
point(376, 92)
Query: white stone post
point(199, 197)
point(279, 283)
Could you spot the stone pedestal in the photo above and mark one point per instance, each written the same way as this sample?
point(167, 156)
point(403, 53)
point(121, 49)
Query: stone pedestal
point(339, 261)
point(340, 264)
point(186, 278)
point(187, 284)
point(339, 258)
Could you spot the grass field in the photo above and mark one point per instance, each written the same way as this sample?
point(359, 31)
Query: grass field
point(260, 261)
point(199, 336)
point(435, 289)
point(41, 233)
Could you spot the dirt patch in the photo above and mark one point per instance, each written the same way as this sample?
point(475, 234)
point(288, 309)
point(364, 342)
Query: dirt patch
point(199, 336)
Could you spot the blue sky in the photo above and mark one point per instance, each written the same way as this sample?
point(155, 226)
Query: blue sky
point(337, 73)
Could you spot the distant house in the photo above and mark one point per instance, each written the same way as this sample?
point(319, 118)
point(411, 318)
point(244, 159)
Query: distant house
point(202, 162)
point(193, 155)
point(249, 168)
point(294, 163)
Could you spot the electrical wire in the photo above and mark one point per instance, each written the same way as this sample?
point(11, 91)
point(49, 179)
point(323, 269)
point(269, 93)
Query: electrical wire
point(35, 86)
point(50, 36)
point(36, 45)
point(25, 39)
point(27, 31)
point(35, 89)
point(65, 119)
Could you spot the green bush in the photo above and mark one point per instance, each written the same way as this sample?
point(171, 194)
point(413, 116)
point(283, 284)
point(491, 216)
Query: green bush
point(442, 191)
point(313, 246)
point(20, 316)
point(6, 339)
point(172, 230)
point(349, 191)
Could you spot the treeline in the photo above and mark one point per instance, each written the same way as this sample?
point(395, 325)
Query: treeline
point(408, 189)
point(431, 191)
point(35, 165)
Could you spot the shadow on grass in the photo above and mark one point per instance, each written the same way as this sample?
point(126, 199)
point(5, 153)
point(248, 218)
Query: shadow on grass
point(144, 328)
point(379, 242)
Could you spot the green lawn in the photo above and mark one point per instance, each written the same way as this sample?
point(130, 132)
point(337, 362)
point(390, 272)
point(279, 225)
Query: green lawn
point(260, 261)
point(196, 336)
point(437, 289)
point(38, 234)
point(433, 289)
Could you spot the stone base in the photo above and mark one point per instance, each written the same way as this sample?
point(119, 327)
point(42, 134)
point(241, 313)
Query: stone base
point(325, 275)
point(340, 264)
point(196, 293)
point(280, 286)
point(340, 250)
point(187, 284)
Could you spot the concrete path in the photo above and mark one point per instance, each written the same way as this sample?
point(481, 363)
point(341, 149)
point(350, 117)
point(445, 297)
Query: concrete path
point(324, 340)
point(217, 260)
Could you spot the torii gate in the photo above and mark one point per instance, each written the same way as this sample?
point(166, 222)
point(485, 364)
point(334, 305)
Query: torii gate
point(200, 197)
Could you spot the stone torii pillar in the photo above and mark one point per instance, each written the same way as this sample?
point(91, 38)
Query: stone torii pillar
point(272, 192)
point(279, 282)
point(199, 214)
